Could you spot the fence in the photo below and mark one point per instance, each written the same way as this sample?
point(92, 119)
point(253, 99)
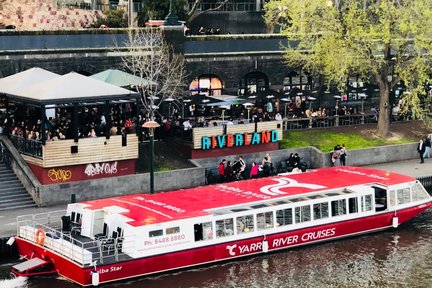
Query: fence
point(426, 181)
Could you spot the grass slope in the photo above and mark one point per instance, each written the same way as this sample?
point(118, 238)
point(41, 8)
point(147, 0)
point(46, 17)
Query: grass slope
point(326, 140)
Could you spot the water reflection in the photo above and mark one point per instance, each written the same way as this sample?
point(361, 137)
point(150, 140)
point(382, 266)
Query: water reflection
point(396, 258)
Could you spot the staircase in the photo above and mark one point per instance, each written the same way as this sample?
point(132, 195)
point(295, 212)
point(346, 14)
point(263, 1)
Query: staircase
point(12, 193)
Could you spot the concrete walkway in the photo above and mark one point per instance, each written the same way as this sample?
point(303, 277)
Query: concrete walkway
point(409, 167)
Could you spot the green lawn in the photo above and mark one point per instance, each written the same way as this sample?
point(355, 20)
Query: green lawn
point(325, 141)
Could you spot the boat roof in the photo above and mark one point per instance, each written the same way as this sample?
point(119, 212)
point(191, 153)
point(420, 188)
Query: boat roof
point(146, 209)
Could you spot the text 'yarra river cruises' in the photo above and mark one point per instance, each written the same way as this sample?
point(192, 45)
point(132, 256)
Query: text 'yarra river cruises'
point(128, 236)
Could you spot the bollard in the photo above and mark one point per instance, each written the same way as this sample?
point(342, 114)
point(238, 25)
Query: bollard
point(73, 198)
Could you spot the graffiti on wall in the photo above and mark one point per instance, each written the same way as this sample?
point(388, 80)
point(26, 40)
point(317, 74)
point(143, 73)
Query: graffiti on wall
point(59, 175)
point(101, 168)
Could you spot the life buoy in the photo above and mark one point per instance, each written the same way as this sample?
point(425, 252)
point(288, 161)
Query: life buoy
point(40, 237)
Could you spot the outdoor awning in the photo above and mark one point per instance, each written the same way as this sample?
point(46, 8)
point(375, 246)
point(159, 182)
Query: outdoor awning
point(25, 79)
point(120, 78)
point(71, 88)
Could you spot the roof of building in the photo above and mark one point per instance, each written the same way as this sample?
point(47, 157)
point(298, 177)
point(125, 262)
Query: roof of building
point(145, 209)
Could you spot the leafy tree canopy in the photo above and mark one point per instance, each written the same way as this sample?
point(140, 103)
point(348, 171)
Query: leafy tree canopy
point(159, 9)
point(113, 19)
point(374, 39)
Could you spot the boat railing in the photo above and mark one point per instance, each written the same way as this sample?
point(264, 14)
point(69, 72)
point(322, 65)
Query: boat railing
point(82, 250)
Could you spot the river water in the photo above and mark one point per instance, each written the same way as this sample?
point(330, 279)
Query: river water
point(393, 258)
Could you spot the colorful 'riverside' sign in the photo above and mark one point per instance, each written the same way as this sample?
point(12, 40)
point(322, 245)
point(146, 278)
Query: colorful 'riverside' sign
point(240, 139)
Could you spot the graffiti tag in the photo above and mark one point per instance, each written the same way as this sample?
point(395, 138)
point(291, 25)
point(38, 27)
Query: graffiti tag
point(59, 175)
point(101, 168)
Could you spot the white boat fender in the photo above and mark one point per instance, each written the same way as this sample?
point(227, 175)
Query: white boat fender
point(265, 246)
point(95, 277)
point(395, 222)
point(11, 241)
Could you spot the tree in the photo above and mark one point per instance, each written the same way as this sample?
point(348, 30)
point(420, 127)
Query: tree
point(192, 13)
point(150, 57)
point(382, 41)
point(113, 19)
point(158, 9)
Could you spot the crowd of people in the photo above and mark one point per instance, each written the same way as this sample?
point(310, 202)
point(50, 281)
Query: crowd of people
point(91, 122)
point(238, 169)
point(339, 155)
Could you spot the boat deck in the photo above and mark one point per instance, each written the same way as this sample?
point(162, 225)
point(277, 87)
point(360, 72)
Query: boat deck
point(81, 249)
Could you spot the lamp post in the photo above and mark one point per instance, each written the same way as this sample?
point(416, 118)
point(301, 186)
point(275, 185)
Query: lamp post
point(151, 125)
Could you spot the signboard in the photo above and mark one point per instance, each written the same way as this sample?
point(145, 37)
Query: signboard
point(239, 139)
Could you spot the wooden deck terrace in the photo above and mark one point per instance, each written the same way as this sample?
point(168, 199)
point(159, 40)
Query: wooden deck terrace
point(87, 150)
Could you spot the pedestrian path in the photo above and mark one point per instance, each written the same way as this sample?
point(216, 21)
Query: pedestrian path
point(408, 167)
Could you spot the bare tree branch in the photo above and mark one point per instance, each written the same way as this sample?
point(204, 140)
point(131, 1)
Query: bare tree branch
point(192, 15)
point(151, 58)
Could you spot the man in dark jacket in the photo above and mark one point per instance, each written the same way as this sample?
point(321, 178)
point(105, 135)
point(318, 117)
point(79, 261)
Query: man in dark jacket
point(421, 149)
point(228, 172)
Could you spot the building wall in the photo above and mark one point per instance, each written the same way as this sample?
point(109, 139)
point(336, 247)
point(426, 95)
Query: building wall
point(123, 185)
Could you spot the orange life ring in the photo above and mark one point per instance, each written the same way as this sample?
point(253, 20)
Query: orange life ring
point(40, 237)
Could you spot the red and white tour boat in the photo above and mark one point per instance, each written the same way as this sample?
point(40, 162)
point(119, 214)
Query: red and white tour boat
point(128, 236)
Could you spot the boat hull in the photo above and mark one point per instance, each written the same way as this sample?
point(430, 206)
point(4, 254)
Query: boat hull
point(217, 252)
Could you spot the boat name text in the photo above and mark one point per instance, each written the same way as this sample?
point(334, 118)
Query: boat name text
point(241, 193)
point(282, 241)
point(161, 204)
point(111, 269)
point(363, 174)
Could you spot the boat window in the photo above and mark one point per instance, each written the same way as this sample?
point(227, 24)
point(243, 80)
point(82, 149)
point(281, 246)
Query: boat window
point(239, 209)
point(156, 233)
point(258, 206)
point(419, 193)
point(281, 202)
point(284, 217)
point(73, 216)
point(403, 195)
point(245, 224)
point(321, 210)
point(302, 213)
point(392, 197)
point(78, 218)
point(366, 203)
point(380, 199)
point(265, 220)
point(224, 227)
point(352, 205)
point(299, 199)
point(338, 207)
point(203, 231)
point(316, 196)
point(172, 230)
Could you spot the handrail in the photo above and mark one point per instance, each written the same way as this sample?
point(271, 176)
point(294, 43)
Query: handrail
point(71, 248)
point(21, 165)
